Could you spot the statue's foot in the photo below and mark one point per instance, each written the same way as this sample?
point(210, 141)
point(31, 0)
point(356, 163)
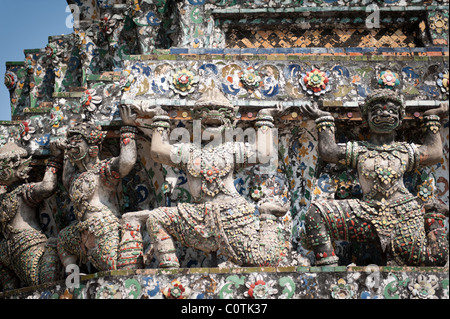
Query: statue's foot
point(328, 261)
point(168, 260)
point(169, 264)
point(303, 261)
point(228, 264)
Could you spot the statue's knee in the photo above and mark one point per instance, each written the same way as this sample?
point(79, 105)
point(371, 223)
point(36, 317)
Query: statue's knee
point(150, 223)
point(153, 225)
point(313, 218)
point(68, 245)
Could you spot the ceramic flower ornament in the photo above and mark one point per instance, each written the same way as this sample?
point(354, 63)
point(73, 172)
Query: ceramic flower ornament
point(26, 130)
point(90, 100)
point(342, 290)
point(176, 290)
point(183, 81)
point(10, 80)
point(315, 82)
point(425, 191)
point(388, 79)
point(250, 79)
point(258, 288)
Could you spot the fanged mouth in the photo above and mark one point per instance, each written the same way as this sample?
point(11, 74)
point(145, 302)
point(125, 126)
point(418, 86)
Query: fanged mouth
point(74, 152)
point(384, 120)
point(212, 122)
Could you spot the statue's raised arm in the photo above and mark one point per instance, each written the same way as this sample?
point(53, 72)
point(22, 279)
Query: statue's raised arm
point(329, 150)
point(430, 151)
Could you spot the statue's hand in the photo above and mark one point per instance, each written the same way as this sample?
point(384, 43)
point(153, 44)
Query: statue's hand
point(127, 115)
point(159, 112)
point(276, 208)
point(274, 112)
point(313, 111)
point(57, 147)
point(441, 110)
point(145, 110)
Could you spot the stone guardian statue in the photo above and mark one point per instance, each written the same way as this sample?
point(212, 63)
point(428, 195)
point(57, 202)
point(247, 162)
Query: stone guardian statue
point(219, 218)
point(26, 254)
point(388, 213)
point(92, 184)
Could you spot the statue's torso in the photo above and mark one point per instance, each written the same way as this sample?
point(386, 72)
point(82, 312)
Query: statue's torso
point(92, 193)
point(381, 170)
point(210, 172)
point(18, 211)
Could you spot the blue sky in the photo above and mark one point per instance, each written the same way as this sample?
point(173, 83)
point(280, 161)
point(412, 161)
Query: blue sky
point(27, 24)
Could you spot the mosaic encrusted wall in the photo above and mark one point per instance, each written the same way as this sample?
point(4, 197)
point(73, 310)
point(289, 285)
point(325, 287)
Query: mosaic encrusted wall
point(258, 53)
point(250, 283)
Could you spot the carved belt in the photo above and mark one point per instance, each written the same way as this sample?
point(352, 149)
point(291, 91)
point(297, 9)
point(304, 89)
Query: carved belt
point(387, 216)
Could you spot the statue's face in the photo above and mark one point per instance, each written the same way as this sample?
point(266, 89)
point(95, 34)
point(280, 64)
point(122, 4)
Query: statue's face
point(14, 169)
point(213, 119)
point(77, 147)
point(384, 117)
point(6, 172)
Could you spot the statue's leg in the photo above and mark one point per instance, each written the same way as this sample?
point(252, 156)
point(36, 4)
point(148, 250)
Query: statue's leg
point(69, 245)
point(318, 236)
point(437, 252)
point(420, 239)
point(437, 236)
point(409, 243)
point(103, 241)
point(50, 268)
point(327, 221)
point(131, 247)
point(245, 242)
point(8, 279)
point(192, 225)
point(412, 246)
point(159, 223)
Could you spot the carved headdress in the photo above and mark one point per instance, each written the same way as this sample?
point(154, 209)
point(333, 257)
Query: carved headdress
point(13, 158)
point(92, 133)
point(213, 98)
point(12, 150)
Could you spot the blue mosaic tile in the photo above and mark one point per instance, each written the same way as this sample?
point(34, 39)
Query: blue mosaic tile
point(418, 50)
point(336, 50)
point(232, 51)
point(249, 51)
point(214, 51)
point(319, 50)
point(302, 50)
point(179, 50)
